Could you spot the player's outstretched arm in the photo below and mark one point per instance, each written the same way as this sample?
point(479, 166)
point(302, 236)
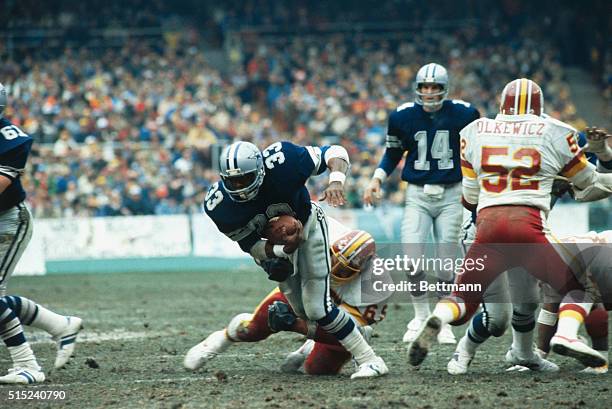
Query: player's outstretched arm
point(337, 161)
point(597, 143)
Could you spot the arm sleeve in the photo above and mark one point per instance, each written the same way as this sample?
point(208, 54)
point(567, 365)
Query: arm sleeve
point(12, 163)
point(301, 162)
point(393, 146)
point(576, 166)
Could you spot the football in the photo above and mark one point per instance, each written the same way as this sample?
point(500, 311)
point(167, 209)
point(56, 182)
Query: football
point(280, 228)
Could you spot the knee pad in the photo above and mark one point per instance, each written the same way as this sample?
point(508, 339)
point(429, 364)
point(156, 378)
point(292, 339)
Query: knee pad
point(238, 327)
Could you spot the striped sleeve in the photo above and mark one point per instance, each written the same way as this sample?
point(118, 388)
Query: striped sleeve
point(574, 166)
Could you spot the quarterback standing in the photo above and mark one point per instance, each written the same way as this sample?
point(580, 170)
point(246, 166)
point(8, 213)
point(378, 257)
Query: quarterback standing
point(428, 130)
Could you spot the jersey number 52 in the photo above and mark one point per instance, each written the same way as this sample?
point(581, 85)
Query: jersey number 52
point(518, 175)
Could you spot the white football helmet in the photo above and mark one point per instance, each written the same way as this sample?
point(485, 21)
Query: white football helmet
point(431, 73)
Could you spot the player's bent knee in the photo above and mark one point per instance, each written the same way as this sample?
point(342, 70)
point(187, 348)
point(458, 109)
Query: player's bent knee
point(596, 323)
point(497, 329)
point(245, 327)
point(498, 318)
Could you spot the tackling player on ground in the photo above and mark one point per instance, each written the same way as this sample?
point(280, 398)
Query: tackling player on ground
point(428, 130)
point(351, 253)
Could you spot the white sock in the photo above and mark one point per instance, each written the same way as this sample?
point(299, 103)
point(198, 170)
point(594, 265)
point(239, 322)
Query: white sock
point(22, 355)
point(468, 345)
point(49, 321)
point(447, 311)
point(357, 345)
point(421, 306)
point(522, 343)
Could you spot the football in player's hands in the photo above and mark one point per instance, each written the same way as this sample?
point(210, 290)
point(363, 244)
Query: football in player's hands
point(285, 230)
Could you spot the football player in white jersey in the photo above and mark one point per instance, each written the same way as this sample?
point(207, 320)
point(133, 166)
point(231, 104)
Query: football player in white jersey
point(524, 292)
point(509, 164)
point(351, 252)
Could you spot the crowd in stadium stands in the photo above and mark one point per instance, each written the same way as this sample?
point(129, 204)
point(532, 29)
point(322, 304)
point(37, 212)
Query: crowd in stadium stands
point(134, 130)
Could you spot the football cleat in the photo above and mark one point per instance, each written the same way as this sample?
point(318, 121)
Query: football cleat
point(371, 369)
point(576, 349)
point(446, 335)
point(213, 345)
point(412, 329)
point(66, 341)
point(427, 336)
point(534, 363)
point(23, 375)
point(460, 362)
point(600, 370)
point(294, 361)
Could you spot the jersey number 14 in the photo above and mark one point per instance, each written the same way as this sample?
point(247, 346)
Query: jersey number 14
point(440, 150)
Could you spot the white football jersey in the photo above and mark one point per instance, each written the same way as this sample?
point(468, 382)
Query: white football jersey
point(514, 159)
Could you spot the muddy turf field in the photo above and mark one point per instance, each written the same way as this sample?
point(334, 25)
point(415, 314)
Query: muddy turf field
point(139, 326)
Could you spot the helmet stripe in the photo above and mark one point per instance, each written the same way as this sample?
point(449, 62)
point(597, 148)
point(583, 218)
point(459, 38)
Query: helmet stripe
point(529, 90)
point(236, 155)
point(523, 97)
point(433, 73)
point(230, 156)
point(361, 239)
point(516, 95)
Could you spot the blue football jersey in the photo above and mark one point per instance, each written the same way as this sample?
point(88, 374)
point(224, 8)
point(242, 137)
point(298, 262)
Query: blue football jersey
point(288, 167)
point(431, 139)
point(15, 147)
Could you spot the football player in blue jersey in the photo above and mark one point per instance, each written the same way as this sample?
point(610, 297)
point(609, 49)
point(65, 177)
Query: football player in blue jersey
point(257, 186)
point(15, 234)
point(428, 130)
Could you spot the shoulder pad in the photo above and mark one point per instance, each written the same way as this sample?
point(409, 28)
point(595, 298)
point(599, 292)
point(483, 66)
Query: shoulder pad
point(558, 124)
point(404, 106)
point(461, 102)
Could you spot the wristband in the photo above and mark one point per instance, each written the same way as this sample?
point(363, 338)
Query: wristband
point(380, 174)
point(337, 176)
point(278, 250)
